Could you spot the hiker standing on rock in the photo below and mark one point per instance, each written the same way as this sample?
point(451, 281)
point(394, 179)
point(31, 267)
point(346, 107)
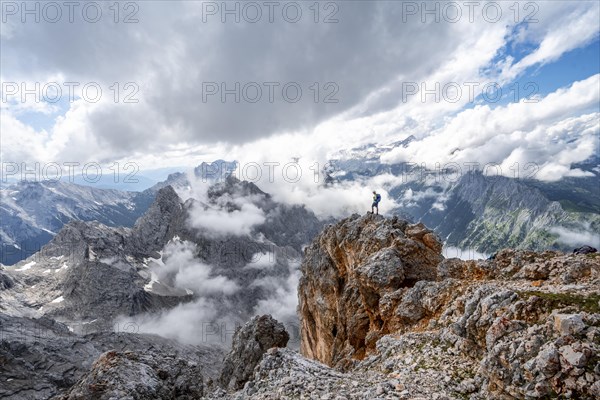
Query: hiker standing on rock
point(376, 200)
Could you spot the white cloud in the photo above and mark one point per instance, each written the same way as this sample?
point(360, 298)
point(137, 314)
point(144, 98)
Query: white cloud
point(190, 323)
point(282, 302)
point(195, 322)
point(577, 238)
point(564, 27)
point(222, 222)
point(545, 133)
point(171, 126)
point(183, 271)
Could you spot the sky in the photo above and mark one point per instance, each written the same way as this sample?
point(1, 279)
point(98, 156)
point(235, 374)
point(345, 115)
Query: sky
point(164, 84)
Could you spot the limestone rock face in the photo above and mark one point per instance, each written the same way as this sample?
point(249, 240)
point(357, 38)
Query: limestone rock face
point(353, 277)
point(5, 281)
point(377, 301)
point(250, 342)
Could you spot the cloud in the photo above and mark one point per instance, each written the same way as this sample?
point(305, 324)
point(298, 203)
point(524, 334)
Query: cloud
point(282, 302)
point(578, 238)
point(220, 221)
point(373, 57)
point(266, 260)
point(228, 214)
point(566, 27)
point(181, 270)
point(190, 323)
point(511, 136)
point(211, 318)
point(195, 322)
point(170, 55)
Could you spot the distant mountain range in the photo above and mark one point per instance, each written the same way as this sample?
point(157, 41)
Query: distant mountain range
point(484, 213)
point(474, 212)
point(32, 213)
point(176, 252)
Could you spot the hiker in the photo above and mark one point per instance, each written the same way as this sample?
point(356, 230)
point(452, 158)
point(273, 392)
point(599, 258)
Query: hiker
point(376, 200)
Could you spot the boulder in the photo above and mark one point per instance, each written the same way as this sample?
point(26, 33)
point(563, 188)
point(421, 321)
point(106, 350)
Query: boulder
point(133, 375)
point(250, 342)
point(568, 324)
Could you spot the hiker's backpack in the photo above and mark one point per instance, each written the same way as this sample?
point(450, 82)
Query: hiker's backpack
point(378, 198)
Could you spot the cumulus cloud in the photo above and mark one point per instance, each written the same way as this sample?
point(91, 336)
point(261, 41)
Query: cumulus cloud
point(195, 322)
point(170, 124)
point(510, 136)
point(566, 27)
point(266, 260)
point(171, 107)
point(282, 303)
point(228, 214)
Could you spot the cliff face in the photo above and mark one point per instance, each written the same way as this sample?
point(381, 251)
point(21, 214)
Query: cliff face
point(378, 301)
point(351, 269)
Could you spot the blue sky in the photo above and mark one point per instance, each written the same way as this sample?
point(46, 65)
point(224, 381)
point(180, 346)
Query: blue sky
point(576, 65)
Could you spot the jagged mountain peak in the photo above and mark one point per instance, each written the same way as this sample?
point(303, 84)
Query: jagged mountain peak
point(234, 187)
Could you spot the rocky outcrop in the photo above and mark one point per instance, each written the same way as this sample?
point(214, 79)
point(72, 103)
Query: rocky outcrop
point(132, 375)
point(159, 223)
point(33, 212)
point(250, 342)
point(585, 250)
point(520, 325)
point(43, 359)
point(5, 281)
point(354, 275)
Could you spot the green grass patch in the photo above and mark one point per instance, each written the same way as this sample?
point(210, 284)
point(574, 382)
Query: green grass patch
point(588, 304)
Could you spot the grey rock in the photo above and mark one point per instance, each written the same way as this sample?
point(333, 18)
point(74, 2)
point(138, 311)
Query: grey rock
point(568, 324)
point(249, 344)
point(133, 375)
point(585, 250)
point(42, 358)
point(573, 357)
point(49, 205)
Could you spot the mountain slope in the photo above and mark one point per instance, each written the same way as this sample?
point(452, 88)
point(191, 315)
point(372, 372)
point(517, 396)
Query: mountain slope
point(525, 325)
point(490, 213)
point(89, 274)
point(31, 213)
point(473, 211)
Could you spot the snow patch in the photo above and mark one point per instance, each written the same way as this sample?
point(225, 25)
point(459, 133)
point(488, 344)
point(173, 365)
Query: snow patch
point(58, 300)
point(64, 266)
point(92, 254)
point(150, 285)
point(26, 266)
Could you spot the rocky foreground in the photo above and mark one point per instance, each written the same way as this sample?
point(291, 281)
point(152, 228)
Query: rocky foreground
point(383, 316)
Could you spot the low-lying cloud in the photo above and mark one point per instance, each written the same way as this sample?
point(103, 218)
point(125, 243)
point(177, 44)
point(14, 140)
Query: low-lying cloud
point(577, 238)
point(181, 270)
point(222, 222)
